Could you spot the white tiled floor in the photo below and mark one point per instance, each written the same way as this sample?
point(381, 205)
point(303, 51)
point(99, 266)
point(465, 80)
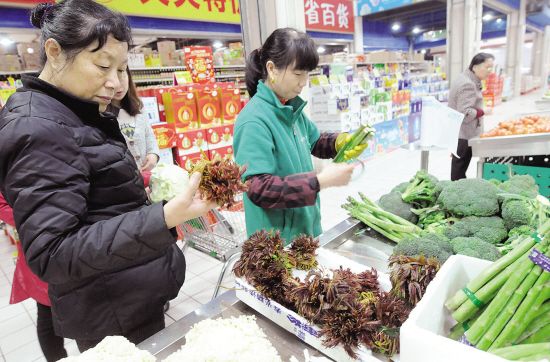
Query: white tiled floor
point(18, 341)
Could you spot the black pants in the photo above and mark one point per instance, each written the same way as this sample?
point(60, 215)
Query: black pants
point(50, 343)
point(459, 166)
point(137, 336)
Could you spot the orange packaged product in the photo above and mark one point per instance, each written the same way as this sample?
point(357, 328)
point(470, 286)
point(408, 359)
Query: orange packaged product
point(165, 133)
point(181, 109)
point(192, 141)
point(209, 107)
point(199, 60)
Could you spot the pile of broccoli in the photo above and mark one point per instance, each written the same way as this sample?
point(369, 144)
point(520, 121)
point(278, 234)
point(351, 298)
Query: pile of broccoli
point(471, 216)
point(490, 229)
point(475, 247)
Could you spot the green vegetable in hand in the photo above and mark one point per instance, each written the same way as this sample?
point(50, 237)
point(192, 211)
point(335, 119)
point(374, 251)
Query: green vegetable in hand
point(348, 150)
point(167, 181)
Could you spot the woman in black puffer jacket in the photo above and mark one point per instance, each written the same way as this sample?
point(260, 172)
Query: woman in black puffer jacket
point(79, 203)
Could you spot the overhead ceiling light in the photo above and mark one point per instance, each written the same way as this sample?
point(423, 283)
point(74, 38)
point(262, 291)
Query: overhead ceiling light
point(488, 17)
point(423, 51)
point(346, 49)
point(30, 50)
point(321, 50)
point(6, 41)
point(499, 20)
point(217, 45)
point(416, 30)
point(431, 33)
point(396, 27)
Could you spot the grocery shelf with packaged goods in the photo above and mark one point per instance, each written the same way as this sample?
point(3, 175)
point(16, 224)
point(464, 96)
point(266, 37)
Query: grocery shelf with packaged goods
point(382, 89)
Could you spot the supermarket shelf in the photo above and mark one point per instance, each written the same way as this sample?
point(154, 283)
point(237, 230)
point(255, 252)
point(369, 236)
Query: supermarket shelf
point(175, 68)
point(520, 145)
point(153, 80)
point(20, 72)
point(229, 66)
point(235, 75)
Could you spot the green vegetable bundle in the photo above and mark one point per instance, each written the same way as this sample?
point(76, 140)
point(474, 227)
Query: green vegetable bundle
point(508, 303)
point(391, 226)
point(356, 139)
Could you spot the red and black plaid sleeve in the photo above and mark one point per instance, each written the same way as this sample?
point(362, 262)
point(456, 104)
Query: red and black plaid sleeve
point(325, 147)
point(274, 192)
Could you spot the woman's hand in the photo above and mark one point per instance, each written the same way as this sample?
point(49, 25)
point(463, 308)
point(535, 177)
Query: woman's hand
point(151, 161)
point(187, 205)
point(335, 174)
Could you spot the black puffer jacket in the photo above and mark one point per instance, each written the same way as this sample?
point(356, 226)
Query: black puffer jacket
point(82, 214)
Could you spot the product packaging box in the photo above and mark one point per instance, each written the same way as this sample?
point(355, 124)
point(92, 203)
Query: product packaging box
point(181, 109)
point(209, 106)
point(136, 60)
point(230, 102)
point(165, 134)
point(166, 156)
point(200, 62)
point(167, 53)
point(187, 160)
point(192, 141)
point(150, 109)
point(220, 136)
point(223, 153)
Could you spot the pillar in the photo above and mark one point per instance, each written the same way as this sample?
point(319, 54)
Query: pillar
point(536, 58)
point(545, 64)
point(515, 36)
point(358, 36)
point(463, 34)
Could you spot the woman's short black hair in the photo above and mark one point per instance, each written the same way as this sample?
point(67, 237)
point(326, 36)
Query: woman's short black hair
point(479, 59)
point(75, 24)
point(283, 47)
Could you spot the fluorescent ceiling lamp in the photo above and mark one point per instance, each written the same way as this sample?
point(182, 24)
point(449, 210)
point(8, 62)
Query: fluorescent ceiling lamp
point(217, 44)
point(6, 41)
point(321, 50)
point(396, 27)
point(30, 50)
point(499, 20)
point(488, 17)
point(416, 30)
point(423, 51)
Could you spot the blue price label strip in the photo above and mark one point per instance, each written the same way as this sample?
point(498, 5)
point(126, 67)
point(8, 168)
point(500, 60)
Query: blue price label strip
point(540, 259)
point(465, 341)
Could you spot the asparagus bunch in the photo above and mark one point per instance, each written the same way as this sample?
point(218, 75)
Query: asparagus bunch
point(509, 303)
point(391, 226)
point(359, 137)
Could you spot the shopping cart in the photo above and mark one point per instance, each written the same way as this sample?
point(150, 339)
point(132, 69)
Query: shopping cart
point(220, 234)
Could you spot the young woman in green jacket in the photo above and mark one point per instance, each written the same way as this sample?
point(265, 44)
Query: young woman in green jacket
point(275, 140)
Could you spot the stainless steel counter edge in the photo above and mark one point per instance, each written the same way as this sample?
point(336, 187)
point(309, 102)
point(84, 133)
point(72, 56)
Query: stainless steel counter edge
point(520, 145)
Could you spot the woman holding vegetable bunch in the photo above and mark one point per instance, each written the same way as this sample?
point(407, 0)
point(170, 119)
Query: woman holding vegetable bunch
point(85, 224)
point(275, 140)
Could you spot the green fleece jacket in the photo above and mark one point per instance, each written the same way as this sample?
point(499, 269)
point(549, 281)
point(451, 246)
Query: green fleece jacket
point(276, 139)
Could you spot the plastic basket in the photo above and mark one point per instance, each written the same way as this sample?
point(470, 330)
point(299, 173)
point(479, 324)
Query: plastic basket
point(502, 172)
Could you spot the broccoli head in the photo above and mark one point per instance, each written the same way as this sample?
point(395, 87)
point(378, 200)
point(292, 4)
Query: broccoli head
point(400, 188)
point(475, 247)
point(430, 246)
point(490, 229)
point(523, 185)
point(495, 182)
point(514, 238)
point(393, 203)
point(423, 190)
point(517, 212)
point(470, 197)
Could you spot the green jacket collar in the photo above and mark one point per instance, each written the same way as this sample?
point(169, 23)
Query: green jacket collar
point(291, 110)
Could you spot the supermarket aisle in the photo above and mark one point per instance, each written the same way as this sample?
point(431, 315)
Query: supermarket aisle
point(18, 341)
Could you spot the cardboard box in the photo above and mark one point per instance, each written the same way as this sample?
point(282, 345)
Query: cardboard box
point(209, 107)
point(10, 63)
point(199, 61)
point(136, 60)
point(221, 152)
point(181, 108)
point(186, 160)
point(220, 136)
point(192, 141)
point(167, 53)
point(165, 134)
point(230, 102)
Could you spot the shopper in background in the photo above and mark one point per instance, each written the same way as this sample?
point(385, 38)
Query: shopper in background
point(465, 97)
point(135, 128)
point(275, 140)
point(86, 227)
point(26, 285)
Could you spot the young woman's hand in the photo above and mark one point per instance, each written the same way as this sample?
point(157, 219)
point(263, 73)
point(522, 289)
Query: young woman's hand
point(187, 205)
point(151, 161)
point(335, 174)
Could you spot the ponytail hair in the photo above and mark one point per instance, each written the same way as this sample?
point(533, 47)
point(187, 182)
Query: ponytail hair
point(284, 47)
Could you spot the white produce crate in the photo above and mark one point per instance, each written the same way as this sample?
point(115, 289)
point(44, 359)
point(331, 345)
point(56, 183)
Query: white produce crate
point(423, 335)
point(298, 325)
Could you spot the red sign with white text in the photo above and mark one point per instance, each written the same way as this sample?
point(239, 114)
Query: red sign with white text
point(329, 15)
